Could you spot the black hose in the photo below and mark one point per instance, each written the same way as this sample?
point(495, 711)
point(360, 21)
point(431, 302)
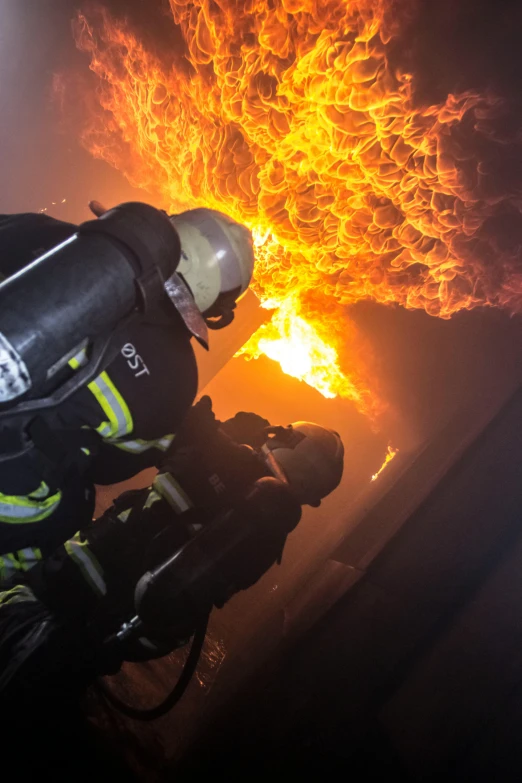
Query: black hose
point(153, 713)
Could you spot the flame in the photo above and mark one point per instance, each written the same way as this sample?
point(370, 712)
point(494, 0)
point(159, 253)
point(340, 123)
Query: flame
point(390, 454)
point(293, 342)
point(287, 115)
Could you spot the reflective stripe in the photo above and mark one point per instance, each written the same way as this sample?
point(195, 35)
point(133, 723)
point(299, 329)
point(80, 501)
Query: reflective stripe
point(113, 405)
point(17, 594)
point(28, 557)
point(18, 509)
point(168, 488)
point(110, 401)
point(22, 560)
point(13, 562)
point(88, 564)
point(9, 565)
point(139, 446)
point(163, 444)
point(79, 360)
point(123, 517)
point(41, 492)
point(152, 498)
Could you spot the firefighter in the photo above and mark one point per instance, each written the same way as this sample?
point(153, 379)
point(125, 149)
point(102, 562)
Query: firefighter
point(125, 419)
point(86, 589)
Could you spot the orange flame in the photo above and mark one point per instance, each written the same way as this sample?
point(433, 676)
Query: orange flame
point(288, 116)
point(390, 454)
point(293, 342)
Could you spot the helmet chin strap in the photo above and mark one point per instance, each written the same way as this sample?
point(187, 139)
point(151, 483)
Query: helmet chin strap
point(223, 319)
point(273, 464)
point(221, 313)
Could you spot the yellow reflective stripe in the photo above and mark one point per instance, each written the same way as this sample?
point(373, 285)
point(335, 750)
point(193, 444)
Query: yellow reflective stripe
point(165, 443)
point(19, 509)
point(138, 446)
point(9, 566)
point(6, 569)
point(88, 564)
point(152, 498)
point(28, 557)
point(169, 489)
point(15, 564)
point(41, 492)
point(22, 560)
point(113, 405)
point(110, 401)
point(17, 594)
point(74, 363)
point(133, 446)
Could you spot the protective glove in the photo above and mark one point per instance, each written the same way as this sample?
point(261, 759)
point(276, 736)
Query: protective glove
point(198, 426)
point(247, 428)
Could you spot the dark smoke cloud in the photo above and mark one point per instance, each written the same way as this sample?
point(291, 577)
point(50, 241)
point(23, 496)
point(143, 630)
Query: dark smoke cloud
point(458, 45)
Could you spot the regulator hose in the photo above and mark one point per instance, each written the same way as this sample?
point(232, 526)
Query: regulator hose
point(153, 713)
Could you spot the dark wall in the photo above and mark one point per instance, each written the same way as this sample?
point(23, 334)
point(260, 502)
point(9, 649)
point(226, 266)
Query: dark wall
point(418, 669)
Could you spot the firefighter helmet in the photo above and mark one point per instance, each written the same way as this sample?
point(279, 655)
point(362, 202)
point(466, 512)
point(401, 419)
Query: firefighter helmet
point(309, 456)
point(216, 264)
point(217, 261)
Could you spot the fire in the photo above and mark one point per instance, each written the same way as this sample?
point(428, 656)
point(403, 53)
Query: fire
point(293, 342)
point(390, 454)
point(287, 115)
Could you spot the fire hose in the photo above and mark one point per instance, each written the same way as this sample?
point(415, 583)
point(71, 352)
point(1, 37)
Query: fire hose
point(153, 713)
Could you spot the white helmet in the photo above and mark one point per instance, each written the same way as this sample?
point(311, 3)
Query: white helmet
point(310, 458)
point(217, 261)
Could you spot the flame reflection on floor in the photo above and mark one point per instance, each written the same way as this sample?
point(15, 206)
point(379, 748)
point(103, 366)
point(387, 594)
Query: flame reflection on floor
point(390, 454)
